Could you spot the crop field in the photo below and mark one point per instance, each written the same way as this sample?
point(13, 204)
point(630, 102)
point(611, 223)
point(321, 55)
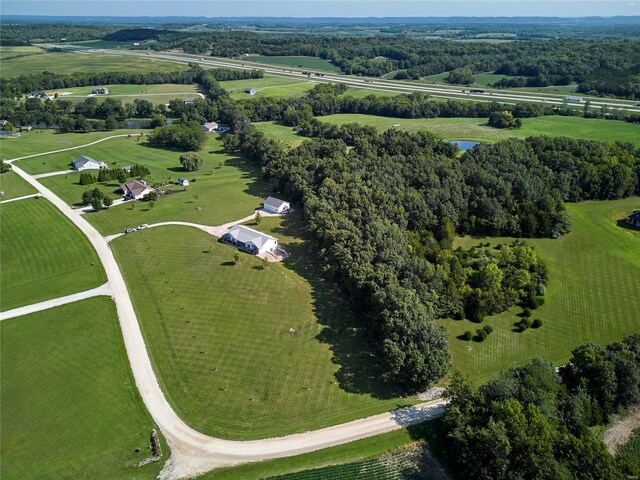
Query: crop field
point(69, 405)
point(268, 87)
point(7, 52)
point(43, 255)
point(66, 62)
point(312, 63)
point(13, 186)
point(40, 141)
point(592, 295)
point(477, 128)
point(248, 350)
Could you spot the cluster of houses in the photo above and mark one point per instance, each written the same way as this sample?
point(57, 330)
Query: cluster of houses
point(252, 241)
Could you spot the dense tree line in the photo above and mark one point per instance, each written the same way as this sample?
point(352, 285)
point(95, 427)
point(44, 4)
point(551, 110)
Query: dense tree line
point(534, 421)
point(17, 86)
point(26, 34)
point(384, 211)
point(185, 137)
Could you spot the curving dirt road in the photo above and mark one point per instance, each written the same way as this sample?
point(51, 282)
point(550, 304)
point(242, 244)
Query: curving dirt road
point(192, 452)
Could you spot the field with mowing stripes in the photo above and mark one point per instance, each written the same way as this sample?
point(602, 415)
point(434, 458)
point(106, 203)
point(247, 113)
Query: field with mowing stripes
point(40, 141)
point(592, 295)
point(220, 335)
point(67, 62)
point(69, 406)
point(13, 186)
point(43, 255)
point(268, 87)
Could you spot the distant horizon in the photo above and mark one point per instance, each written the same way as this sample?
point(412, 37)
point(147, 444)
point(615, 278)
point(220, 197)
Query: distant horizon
point(310, 9)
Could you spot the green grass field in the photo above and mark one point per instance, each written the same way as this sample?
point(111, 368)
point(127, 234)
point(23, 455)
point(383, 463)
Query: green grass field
point(280, 132)
point(40, 141)
point(219, 335)
point(312, 63)
point(13, 186)
point(43, 255)
point(7, 52)
point(66, 62)
point(268, 87)
point(487, 79)
point(592, 295)
point(69, 405)
point(477, 129)
point(156, 94)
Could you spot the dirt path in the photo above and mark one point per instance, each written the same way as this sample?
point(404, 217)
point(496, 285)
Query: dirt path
point(192, 452)
point(618, 433)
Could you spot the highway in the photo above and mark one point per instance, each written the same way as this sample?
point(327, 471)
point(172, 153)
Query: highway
point(436, 91)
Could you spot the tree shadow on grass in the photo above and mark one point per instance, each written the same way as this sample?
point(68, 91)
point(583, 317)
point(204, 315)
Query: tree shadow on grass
point(257, 185)
point(359, 369)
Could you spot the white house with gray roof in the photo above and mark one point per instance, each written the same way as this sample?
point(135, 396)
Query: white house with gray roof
point(87, 163)
point(250, 240)
point(275, 205)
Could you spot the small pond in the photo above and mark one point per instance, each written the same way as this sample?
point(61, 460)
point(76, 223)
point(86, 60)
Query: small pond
point(464, 145)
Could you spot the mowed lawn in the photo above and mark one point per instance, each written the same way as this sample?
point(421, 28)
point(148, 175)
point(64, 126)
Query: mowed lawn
point(477, 128)
point(592, 295)
point(69, 405)
point(268, 87)
point(40, 141)
point(12, 186)
point(43, 255)
point(67, 62)
point(312, 63)
point(226, 188)
point(248, 350)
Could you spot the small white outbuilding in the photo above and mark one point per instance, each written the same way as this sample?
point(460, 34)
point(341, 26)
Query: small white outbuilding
point(275, 205)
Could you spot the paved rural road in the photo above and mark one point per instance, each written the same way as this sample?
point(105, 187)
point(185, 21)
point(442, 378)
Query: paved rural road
point(192, 452)
point(56, 302)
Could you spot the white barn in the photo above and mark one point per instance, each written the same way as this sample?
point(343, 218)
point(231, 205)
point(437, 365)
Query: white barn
point(275, 205)
point(87, 163)
point(250, 240)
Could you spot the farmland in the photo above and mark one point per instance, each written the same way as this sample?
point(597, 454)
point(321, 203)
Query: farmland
point(13, 186)
point(211, 325)
point(43, 255)
point(81, 62)
point(591, 295)
point(68, 397)
point(156, 94)
point(312, 63)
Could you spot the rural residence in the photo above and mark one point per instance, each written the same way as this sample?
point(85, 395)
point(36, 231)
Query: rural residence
point(183, 182)
point(87, 163)
point(250, 91)
point(210, 127)
point(135, 189)
point(275, 205)
point(634, 219)
point(100, 91)
point(250, 240)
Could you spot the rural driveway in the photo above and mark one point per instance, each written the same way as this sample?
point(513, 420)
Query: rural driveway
point(192, 452)
point(19, 198)
point(56, 302)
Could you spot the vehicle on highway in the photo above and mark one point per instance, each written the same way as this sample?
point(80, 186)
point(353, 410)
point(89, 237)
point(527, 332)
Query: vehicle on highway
point(636, 104)
point(129, 230)
point(143, 226)
point(573, 99)
point(475, 90)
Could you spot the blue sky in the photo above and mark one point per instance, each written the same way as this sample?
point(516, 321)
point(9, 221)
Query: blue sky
point(327, 8)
